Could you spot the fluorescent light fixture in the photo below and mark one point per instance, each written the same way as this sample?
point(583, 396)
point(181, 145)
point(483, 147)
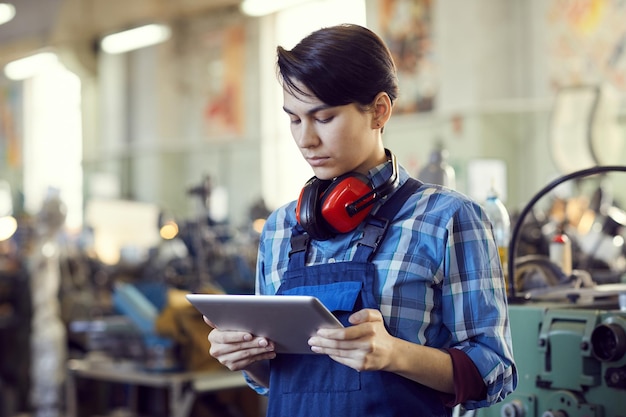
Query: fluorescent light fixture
point(136, 38)
point(264, 7)
point(23, 68)
point(7, 12)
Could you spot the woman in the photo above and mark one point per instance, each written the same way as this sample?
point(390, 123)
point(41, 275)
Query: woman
point(411, 269)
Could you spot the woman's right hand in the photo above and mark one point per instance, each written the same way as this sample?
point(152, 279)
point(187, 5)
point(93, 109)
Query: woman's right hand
point(237, 350)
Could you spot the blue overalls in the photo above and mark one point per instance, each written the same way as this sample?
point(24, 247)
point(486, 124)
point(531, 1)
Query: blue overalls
point(315, 385)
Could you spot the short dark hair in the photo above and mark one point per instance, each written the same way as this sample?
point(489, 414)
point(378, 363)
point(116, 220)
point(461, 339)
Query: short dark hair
point(340, 64)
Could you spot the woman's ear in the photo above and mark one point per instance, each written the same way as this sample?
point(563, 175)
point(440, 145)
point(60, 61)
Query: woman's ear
point(382, 108)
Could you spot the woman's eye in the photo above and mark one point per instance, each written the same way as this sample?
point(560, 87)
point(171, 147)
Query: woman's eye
point(325, 120)
point(294, 121)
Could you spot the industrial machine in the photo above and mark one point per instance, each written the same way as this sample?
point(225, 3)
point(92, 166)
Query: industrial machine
point(569, 337)
point(571, 362)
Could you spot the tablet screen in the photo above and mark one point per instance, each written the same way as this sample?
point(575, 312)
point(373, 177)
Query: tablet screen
point(287, 320)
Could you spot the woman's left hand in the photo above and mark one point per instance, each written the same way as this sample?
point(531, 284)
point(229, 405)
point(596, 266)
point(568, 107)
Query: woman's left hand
point(364, 346)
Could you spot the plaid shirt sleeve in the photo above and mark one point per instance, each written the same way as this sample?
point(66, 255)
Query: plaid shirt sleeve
point(475, 305)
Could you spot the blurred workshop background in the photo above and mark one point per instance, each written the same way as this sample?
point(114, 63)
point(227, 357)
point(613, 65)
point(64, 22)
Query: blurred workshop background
point(142, 144)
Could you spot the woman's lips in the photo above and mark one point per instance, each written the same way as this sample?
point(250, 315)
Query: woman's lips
point(316, 161)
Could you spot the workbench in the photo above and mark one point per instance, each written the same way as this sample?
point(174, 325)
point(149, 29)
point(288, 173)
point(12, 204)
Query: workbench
point(183, 387)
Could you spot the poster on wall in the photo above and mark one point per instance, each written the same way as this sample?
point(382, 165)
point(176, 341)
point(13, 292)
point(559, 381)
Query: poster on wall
point(587, 42)
point(223, 110)
point(213, 68)
point(406, 27)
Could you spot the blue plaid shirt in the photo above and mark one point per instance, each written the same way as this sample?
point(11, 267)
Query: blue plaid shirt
point(440, 282)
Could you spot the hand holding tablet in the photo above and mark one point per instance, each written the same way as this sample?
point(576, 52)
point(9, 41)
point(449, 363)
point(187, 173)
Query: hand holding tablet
point(287, 320)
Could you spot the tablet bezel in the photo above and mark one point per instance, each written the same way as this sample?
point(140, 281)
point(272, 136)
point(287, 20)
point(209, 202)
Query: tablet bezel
point(287, 320)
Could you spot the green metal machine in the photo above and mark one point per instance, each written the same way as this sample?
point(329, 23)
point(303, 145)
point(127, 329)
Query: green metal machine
point(569, 334)
point(571, 361)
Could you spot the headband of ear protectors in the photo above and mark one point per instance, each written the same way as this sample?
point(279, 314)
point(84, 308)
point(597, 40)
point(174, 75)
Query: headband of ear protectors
point(330, 207)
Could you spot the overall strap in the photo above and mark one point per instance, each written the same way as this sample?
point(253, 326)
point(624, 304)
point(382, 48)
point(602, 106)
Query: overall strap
point(377, 224)
point(300, 240)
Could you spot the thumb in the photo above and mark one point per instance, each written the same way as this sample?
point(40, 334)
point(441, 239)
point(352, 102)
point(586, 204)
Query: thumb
point(365, 315)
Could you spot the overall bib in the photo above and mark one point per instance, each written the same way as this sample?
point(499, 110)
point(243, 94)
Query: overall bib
point(315, 385)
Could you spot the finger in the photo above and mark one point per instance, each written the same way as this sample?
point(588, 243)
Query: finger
point(243, 350)
point(328, 348)
point(240, 350)
point(240, 360)
point(237, 353)
point(352, 358)
point(329, 345)
point(365, 315)
point(230, 341)
point(350, 362)
point(348, 333)
point(234, 337)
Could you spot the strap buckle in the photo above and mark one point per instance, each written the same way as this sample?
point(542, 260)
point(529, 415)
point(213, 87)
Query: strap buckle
point(374, 232)
point(299, 243)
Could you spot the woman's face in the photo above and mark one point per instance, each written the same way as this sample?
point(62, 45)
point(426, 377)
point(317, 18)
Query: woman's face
point(333, 140)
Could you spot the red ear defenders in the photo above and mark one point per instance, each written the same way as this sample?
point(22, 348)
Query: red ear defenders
point(330, 207)
point(322, 207)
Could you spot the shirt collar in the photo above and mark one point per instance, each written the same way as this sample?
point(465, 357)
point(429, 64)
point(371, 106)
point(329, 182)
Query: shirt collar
point(380, 173)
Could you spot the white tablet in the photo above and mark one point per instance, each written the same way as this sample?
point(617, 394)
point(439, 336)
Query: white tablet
point(287, 320)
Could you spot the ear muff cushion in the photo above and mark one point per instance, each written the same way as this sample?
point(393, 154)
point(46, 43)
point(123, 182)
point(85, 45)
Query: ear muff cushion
point(344, 191)
point(308, 211)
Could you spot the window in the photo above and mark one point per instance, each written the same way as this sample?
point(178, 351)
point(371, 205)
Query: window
point(53, 141)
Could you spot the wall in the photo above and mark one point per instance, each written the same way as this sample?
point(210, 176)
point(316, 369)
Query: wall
point(143, 122)
point(153, 131)
point(496, 97)
point(486, 106)
point(495, 100)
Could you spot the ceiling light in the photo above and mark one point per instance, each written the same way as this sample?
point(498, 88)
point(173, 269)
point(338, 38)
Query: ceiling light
point(23, 68)
point(7, 12)
point(264, 7)
point(136, 38)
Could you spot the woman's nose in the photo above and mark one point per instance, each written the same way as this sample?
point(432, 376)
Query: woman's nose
point(305, 135)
